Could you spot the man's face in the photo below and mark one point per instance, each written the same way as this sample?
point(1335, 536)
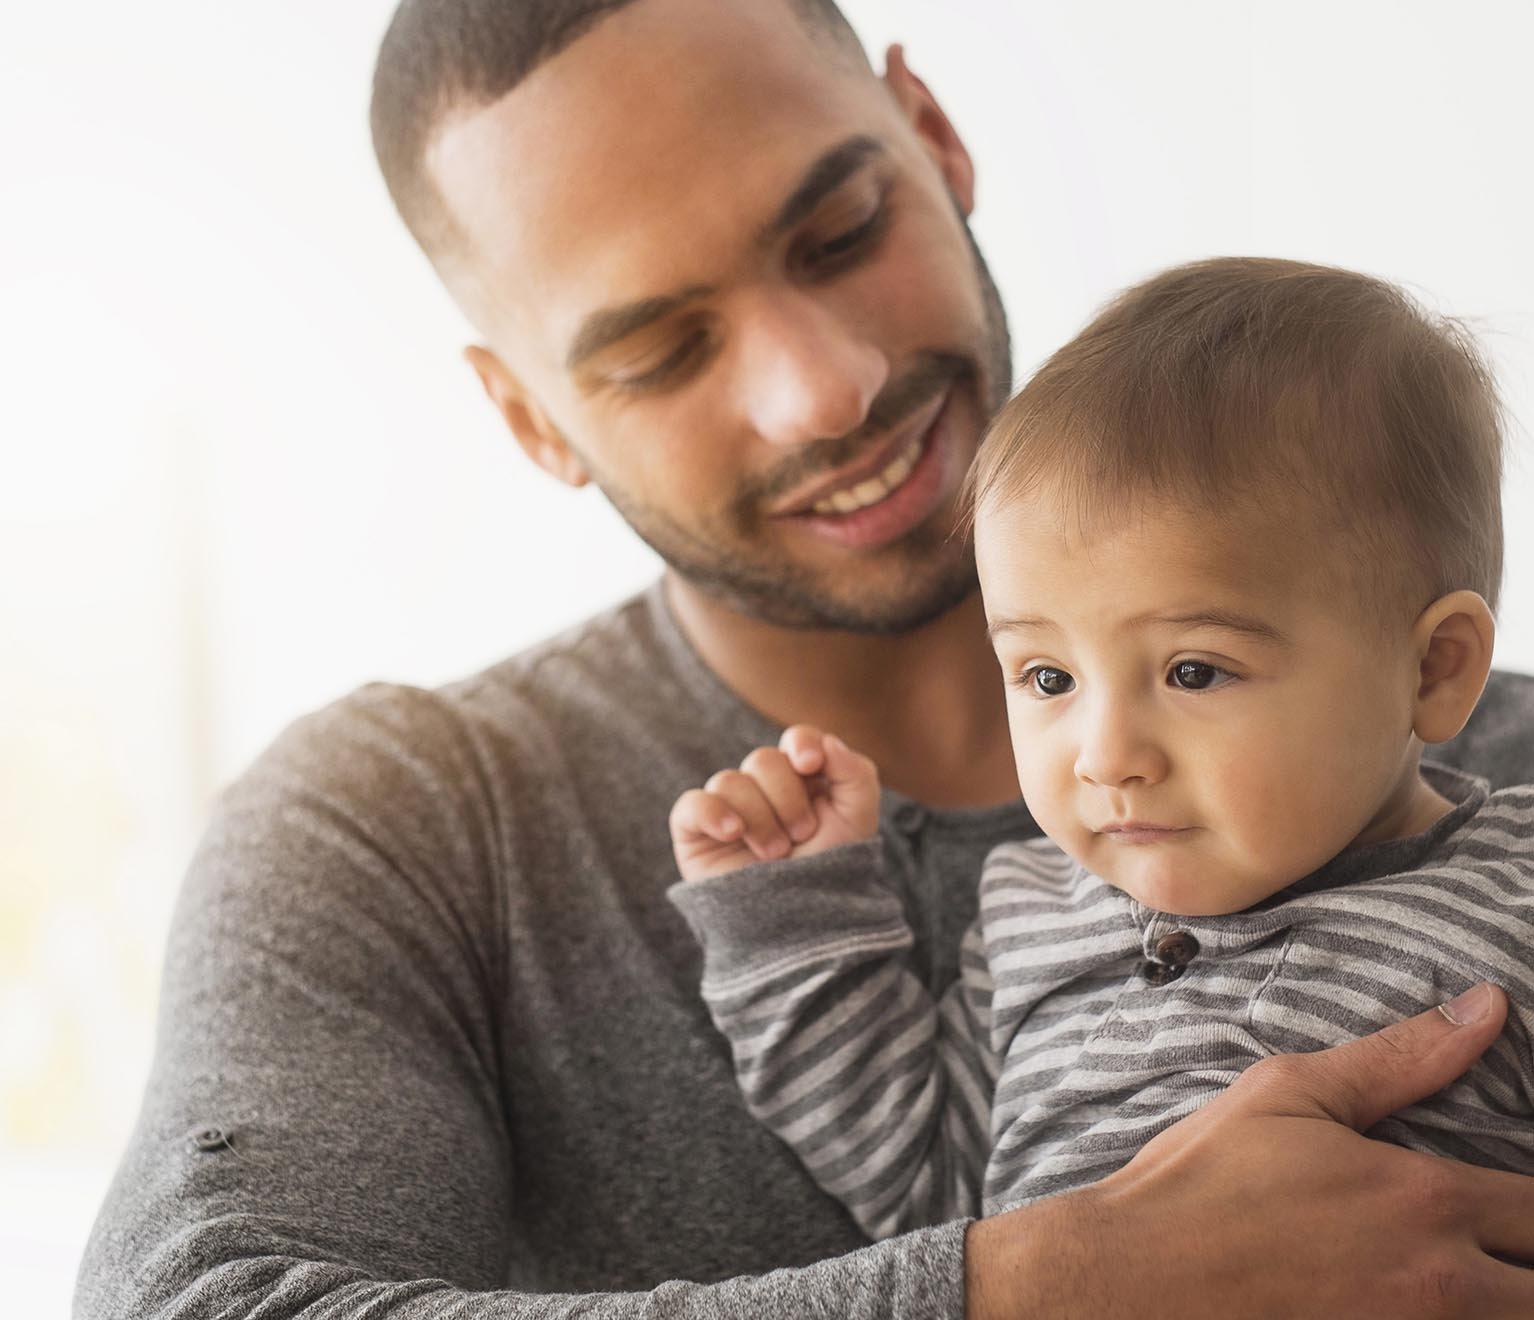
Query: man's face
point(726, 276)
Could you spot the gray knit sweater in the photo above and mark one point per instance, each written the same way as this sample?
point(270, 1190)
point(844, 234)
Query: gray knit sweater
point(431, 1043)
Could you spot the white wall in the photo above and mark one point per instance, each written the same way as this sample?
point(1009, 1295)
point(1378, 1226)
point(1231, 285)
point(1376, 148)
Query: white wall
point(244, 470)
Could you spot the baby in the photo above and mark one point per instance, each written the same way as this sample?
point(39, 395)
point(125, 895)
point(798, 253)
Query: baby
point(1239, 544)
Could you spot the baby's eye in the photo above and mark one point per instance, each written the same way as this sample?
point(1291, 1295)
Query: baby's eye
point(1047, 681)
point(1195, 676)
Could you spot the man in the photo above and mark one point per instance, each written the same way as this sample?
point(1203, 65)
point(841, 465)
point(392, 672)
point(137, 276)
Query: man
point(431, 1041)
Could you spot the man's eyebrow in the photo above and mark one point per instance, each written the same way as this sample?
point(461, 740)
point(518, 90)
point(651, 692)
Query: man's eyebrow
point(1226, 620)
point(824, 177)
point(612, 324)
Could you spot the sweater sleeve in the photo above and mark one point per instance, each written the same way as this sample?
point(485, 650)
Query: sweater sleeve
point(883, 1093)
point(324, 1131)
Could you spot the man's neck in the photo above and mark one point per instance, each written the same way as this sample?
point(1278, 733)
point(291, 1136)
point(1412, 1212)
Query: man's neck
point(926, 705)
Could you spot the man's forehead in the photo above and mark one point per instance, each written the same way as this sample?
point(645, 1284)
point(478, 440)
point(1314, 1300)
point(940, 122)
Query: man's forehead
point(669, 127)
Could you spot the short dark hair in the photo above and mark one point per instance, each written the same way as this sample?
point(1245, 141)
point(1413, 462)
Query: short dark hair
point(1320, 395)
point(438, 55)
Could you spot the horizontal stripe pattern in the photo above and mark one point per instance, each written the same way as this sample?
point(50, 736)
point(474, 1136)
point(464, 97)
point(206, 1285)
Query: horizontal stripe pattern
point(1053, 1059)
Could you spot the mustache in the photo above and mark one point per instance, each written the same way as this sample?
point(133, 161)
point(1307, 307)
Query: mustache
point(932, 374)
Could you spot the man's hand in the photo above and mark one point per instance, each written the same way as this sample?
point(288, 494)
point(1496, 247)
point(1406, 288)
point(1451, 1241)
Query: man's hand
point(1267, 1203)
point(809, 793)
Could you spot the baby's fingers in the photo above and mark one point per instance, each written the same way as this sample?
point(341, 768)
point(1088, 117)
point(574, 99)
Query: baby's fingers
point(763, 831)
point(785, 789)
point(852, 785)
point(699, 814)
point(804, 745)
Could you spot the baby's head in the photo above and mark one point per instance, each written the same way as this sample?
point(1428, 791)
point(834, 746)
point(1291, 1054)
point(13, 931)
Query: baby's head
point(1240, 542)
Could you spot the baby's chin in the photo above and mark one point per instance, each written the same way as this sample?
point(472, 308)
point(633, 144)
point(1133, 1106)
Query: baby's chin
point(1185, 900)
point(1172, 878)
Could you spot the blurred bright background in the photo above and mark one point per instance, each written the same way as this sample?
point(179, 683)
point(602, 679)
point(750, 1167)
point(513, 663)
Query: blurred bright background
point(245, 470)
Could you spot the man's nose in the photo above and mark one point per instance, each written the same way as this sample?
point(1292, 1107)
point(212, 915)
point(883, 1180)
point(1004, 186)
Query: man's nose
point(806, 373)
point(1117, 748)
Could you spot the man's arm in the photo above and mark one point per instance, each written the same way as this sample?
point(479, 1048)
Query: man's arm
point(324, 1132)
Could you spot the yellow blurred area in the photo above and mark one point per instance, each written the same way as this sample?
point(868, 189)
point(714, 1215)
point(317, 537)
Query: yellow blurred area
point(82, 912)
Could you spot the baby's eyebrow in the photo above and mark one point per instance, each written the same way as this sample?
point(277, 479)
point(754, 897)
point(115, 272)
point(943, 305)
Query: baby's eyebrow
point(1225, 620)
point(1019, 624)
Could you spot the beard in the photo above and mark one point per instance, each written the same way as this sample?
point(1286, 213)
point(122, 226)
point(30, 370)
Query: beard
point(923, 575)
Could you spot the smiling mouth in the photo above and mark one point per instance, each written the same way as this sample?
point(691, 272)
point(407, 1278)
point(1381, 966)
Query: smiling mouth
point(864, 488)
point(873, 489)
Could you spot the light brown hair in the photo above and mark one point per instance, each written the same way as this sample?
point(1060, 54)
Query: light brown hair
point(1319, 396)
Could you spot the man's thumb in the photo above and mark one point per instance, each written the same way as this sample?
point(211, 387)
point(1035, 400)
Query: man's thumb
point(1363, 1081)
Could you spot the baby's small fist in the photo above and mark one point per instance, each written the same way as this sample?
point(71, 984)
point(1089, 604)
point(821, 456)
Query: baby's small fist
point(843, 786)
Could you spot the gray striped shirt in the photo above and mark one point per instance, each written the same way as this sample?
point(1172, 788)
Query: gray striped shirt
point(1083, 1023)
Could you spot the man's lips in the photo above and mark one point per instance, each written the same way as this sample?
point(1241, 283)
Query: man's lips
point(869, 467)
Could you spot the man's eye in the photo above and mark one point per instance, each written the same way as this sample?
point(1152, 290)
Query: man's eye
point(1046, 681)
point(1194, 676)
point(673, 365)
point(847, 244)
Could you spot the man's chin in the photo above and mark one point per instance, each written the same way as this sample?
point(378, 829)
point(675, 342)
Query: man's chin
point(876, 610)
point(895, 591)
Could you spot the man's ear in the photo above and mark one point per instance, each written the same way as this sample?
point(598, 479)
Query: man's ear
point(539, 437)
point(938, 135)
point(1452, 640)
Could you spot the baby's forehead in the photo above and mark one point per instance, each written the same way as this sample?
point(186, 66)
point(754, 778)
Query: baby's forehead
point(1146, 564)
point(1236, 538)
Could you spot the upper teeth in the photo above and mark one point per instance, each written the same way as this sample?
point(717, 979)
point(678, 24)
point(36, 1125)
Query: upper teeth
point(874, 489)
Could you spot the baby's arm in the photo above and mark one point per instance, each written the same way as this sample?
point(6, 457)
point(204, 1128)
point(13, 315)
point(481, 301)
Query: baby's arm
point(839, 1049)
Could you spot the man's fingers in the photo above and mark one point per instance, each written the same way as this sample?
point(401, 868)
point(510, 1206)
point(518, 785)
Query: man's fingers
point(1487, 1290)
point(786, 792)
point(1361, 1082)
point(764, 832)
point(1499, 1209)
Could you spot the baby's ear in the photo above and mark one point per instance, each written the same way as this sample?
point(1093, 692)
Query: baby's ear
point(1453, 640)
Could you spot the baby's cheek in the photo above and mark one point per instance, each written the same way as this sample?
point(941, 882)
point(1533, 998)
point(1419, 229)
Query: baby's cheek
point(1285, 818)
point(1046, 778)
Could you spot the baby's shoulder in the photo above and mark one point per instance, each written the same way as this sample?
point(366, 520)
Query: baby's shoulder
point(1500, 835)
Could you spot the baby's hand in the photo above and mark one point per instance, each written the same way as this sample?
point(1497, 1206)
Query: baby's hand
point(809, 793)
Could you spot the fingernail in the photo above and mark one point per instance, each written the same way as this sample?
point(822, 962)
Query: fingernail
point(732, 825)
point(1469, 1007)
